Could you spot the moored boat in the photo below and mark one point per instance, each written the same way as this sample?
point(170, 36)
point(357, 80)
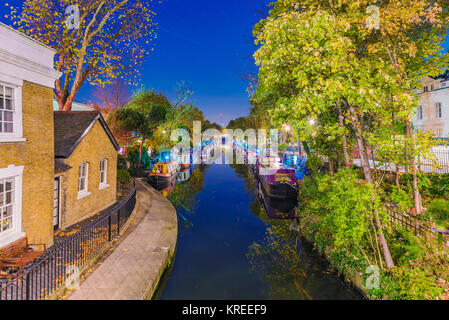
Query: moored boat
point(277, 181)
point(163, 174)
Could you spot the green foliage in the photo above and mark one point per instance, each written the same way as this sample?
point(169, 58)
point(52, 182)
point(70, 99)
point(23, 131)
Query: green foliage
point(123, 177)
point(405, 247)
point(408, 283)
point(439, 209)
point(125, 121)
point(283, 147)
point(437, 185)
point(340, 211)
point(400, 196)
point(121, 163)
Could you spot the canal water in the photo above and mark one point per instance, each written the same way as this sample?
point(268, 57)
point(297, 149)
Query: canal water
point(230, 248)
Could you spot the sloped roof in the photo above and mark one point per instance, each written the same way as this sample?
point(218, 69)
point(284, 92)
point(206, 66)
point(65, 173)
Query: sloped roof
point(72, 127)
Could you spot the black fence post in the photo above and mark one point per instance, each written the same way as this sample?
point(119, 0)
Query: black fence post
point(27, 287)
point(118, 222)
point(110, 228)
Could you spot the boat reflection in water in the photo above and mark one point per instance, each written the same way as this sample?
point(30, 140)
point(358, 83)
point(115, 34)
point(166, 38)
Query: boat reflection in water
point(275, 208)
point(186, 173)
point(164, 174)
point(168, 190)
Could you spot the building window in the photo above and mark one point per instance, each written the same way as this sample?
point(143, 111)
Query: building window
point(426, 89)
point(6, 110)
point(438, 110)
point(83, 178)
point(10, 205)
point(104, 174)
point(6, 204)
point(420, 112)
point(10, 113)
point(431, 87)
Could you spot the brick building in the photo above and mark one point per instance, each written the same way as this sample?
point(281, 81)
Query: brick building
point(46, 183)
point(85, 167)
point(26, 141)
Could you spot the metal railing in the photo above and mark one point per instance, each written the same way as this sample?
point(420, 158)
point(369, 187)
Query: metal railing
point(50, 271)
point(436, 162)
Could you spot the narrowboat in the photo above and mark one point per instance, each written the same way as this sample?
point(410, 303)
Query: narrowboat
point(275, 208)
point(277, 181)
point(163, 174)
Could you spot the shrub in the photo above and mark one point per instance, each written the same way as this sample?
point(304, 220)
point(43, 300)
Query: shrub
point(409, 283)
point(439, 209)
point(401, 197)
point(123, 177)
point(121, 163)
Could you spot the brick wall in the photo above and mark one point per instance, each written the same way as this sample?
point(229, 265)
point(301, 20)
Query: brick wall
point(37, 157)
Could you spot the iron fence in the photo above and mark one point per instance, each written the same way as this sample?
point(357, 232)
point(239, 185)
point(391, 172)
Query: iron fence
point(50, 272)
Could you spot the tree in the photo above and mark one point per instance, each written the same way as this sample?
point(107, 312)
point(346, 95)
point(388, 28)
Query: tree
point(319, 61)
point(110, 43)
point(123, 122)
point(155, 107)
point(111, 98)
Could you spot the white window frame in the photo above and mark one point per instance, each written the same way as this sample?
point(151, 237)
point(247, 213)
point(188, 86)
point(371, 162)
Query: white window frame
point(439, 110)
point(17, 134)
point(15, 233)
point(84, 192)
point(104, 184)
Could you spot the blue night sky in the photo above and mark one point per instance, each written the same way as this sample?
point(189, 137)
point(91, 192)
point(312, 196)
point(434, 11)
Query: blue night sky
point(206, 43)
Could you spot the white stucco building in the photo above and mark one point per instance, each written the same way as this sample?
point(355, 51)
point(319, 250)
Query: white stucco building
point(433, 110)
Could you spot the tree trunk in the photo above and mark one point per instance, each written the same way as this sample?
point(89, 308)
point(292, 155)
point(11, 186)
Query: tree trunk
point(416, 193)
point(369, 180)
point(344, 139)
point(125, 149)
point(331, 167)
point(140, 150)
